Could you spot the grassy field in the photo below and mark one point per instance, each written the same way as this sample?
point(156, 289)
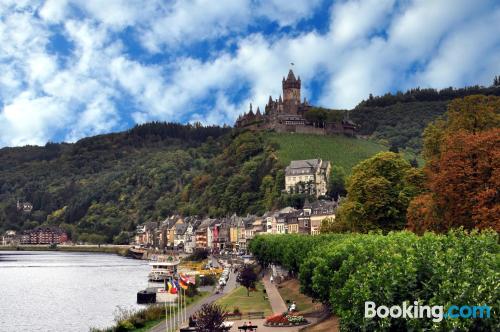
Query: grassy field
point(238, 298)
point(339, 150)
point(290, 290)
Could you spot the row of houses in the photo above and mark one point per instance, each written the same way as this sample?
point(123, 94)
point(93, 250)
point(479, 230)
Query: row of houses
point(232, 233)
point(40, 235)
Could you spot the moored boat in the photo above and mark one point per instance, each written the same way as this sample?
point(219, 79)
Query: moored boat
point(163, 268)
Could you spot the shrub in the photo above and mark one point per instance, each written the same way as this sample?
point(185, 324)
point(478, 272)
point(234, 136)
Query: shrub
point(345, 270)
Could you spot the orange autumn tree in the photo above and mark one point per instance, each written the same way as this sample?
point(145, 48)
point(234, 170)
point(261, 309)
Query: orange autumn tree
point(462, 155)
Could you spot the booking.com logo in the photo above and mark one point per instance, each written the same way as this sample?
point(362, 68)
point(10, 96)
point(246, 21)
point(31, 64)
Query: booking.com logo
point(437, 312)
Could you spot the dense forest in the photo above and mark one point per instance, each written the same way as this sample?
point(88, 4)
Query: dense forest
point(102, 185)
point(399, 119)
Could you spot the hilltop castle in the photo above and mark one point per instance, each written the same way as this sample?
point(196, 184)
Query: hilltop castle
point(287, 114)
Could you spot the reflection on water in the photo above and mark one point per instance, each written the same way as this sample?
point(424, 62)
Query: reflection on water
point(57, 291)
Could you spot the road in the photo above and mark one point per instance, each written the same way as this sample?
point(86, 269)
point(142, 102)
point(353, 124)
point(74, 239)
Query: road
point(231, 284)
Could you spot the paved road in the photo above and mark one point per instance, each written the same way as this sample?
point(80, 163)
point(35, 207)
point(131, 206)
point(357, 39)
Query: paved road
point(231, 284)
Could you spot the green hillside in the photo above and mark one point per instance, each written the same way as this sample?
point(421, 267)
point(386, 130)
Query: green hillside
point(100, 188)
point(340, 150)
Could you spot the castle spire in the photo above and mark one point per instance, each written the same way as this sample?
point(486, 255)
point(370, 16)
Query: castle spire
point(280, 100)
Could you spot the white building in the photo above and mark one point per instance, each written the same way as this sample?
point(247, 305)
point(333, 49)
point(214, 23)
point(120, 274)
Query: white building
point(307, 176)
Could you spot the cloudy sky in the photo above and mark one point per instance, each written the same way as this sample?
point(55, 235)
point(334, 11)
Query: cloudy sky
point(74, 68)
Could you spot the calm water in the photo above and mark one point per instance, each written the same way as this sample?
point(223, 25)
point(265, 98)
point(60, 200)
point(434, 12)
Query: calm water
point(57, 291)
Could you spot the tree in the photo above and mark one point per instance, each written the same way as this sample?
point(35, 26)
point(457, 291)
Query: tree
point(464, 186)
point(332, 225)
point(379, 191)
point(336, 183)
point(462, 169)
point(210, 318)
point(247, 278)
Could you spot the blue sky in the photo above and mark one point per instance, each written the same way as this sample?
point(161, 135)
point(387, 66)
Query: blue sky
point(74, 68)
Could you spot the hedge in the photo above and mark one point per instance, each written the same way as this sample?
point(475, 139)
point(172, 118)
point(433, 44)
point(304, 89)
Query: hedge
point(345, 270)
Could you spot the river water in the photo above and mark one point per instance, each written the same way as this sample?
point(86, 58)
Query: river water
point(59, 291)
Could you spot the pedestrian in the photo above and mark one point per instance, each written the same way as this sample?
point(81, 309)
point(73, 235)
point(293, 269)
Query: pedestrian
point(271, 279)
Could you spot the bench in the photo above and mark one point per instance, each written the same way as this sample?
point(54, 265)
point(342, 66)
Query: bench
point(257, 314)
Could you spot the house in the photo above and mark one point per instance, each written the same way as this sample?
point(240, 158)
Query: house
point(221, 235)
point(9, 238)
point(282, 220)
point(292, 222)
point(203, 234)
point(190, 235)
point(44, 235)
point(246, 233)
point(180, 235)
point(307, 176)
point(145, 234)
point(317, 212)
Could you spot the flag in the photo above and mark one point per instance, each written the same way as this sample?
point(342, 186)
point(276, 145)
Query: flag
point(183, 278)
point(169, 286)
point(173, 290)
point(187, 279)
point(183, 284)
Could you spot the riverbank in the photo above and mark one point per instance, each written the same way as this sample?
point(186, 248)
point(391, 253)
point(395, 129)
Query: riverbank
point(105, 248)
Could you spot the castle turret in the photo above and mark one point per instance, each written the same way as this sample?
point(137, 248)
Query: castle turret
point(291, 93)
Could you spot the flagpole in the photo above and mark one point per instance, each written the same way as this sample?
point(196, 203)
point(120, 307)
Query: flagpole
point(166, 318)
point(179, 311)
point(165, 299)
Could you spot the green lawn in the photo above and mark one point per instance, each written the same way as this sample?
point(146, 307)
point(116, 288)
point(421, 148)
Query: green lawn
point(238, 298)
point(290, 290)
point(338, 149)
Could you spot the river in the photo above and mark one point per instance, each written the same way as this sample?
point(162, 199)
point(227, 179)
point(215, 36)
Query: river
point(61, 291)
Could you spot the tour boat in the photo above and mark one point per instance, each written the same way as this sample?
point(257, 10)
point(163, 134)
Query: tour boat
point(163, 268)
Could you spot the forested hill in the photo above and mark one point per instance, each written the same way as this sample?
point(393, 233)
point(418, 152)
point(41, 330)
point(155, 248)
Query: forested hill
point(102, 187)
point(399, 119)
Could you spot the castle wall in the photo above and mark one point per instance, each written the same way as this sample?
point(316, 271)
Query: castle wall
point(310, 130)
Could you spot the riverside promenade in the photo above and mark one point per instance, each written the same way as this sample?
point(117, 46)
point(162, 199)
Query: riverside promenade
point(231, 284)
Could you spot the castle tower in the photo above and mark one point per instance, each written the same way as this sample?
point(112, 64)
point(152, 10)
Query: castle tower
point(291, 93)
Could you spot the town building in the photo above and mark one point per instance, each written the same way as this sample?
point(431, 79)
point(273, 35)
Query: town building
point(10, 238)
point(307, 176)
point(314, 213)
point(44, 235)
point(287, 114)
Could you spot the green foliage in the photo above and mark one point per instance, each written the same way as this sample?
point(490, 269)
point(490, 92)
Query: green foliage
point(198, 255)
point(319, 116)
point(345, 270)
point(398, 125)
point(101, 187)
point(336, 185)
point(379, 191)
point(247, 278)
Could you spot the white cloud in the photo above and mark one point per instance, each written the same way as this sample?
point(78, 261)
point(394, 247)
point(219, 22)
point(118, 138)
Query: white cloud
point(369, 47)
point(30, 120)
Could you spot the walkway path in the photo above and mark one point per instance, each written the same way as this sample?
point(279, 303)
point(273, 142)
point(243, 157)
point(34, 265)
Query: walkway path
point(275, 298)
